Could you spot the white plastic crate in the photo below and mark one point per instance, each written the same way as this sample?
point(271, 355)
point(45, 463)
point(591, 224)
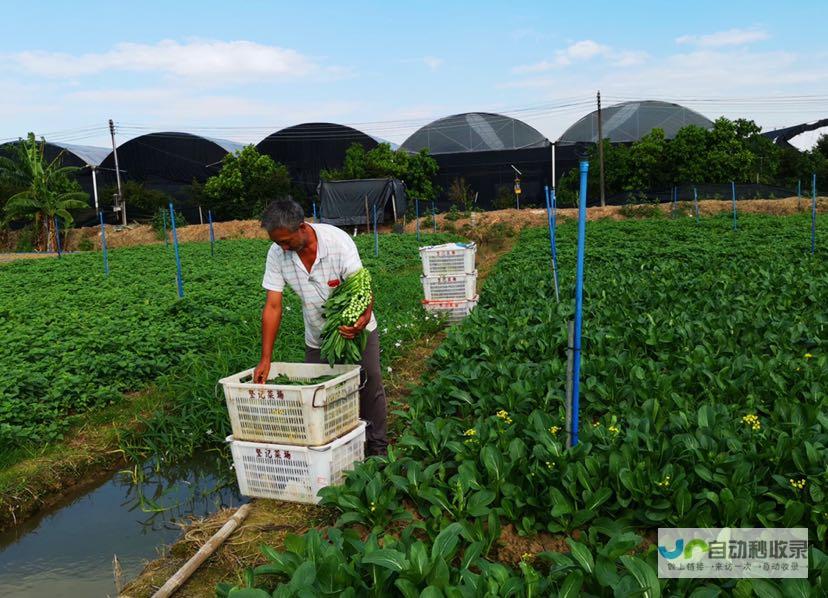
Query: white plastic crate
point(305, 414)
point(295, 473)
point(451, 287)
point(454, 311)
point(450, 258)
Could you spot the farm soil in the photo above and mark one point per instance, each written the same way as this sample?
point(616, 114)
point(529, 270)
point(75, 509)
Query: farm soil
point(479, 224)
point(270, 521)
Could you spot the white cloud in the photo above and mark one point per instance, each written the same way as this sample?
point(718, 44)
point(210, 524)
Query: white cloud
point(630, 58)
point(731, 37)
point(196, 59)
point(583, 51)
point(433, 62)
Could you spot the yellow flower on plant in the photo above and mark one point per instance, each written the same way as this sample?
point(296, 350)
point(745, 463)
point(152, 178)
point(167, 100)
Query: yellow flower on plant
point(554, 430)
point(797, 484)
point(550, 464)
point(808, 356)
point(373, 507)
point(752, 421)
point(504, 415)
point(470, 432)
point(596, 424)
point(614, 429)
point(527, 556)
point(664, 483)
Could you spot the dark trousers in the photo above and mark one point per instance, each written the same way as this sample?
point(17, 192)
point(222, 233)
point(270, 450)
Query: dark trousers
point(372, 407)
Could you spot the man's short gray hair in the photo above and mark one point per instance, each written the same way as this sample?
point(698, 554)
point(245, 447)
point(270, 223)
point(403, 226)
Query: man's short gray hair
point(283, 213)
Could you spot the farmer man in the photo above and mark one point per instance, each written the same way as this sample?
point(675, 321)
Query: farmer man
point(313, 259)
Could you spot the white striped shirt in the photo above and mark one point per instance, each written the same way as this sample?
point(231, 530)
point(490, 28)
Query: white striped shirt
point(337, 259)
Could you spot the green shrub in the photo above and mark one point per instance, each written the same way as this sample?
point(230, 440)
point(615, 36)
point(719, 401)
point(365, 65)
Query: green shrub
point(453, 214)
point(505, 197)
point(25, 240)
point(159, 219)
point(85, 244)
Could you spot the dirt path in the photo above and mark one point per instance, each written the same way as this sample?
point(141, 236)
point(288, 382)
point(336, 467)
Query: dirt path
point(143, 234)
point(270, 521)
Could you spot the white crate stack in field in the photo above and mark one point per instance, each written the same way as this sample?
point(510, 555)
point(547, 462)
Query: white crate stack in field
point(289, 440)
point(449, 279)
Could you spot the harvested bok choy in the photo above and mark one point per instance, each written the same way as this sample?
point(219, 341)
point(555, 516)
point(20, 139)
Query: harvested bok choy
point(344, 306)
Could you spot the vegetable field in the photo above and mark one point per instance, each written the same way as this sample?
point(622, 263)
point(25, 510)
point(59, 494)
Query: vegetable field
point(704, 403)
point(74, 340)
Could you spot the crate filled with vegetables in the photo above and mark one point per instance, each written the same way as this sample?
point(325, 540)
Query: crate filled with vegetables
point(301, 403)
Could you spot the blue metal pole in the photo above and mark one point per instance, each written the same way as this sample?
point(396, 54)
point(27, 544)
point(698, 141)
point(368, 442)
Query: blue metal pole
point(57, 236)
point(417, 208)
point(696, 203)
point(314, 212)
point(733, 194)
point(175, 246)
point(579, 302)
point(376, 234)
point(164, 218)
point(103, 244)
point(434, 216)
point(552, 240)
point(813, 215)
point(212, 235)
point(675, 201)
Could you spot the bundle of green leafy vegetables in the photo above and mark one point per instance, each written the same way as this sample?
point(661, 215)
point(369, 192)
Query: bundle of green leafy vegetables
point(283, 380)
point(344, 306)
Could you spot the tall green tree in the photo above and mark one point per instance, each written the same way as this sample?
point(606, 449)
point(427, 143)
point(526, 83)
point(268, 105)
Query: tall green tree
point(821, 145)
point(418, 171)
point(248, 180)
point(46, 191)
point(649, 165)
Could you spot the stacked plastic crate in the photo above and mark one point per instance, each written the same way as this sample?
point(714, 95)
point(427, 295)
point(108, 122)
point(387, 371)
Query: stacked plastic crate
point(450, 279)
point(290, 440)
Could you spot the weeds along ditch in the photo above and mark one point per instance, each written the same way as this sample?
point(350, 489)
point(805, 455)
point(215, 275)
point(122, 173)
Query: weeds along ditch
point(703, 405)
point(76, 340)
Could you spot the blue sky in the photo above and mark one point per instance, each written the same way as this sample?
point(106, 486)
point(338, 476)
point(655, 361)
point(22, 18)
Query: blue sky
point(242, 70)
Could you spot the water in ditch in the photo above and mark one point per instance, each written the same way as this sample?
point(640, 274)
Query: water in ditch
point(69, 550)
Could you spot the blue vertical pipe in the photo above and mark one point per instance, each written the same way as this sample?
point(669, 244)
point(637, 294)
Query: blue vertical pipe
point(696, 203)
point(579, 302)
point(733, 194)
point(212, 234)
point(175, 246)
point(314, 212)
point(57, 236)
point(417, 208)
point(434, 216)
point(103, 244)
point(376, 234)
point(164, 218)
point(813, 215)
point(675, 201)
point(552, 240)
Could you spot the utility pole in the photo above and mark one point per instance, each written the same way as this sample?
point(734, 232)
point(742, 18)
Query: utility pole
point(601, 150)
point(120, 202)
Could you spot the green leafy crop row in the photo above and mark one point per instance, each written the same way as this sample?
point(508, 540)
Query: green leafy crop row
point(703, 403)
point(73, 340)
